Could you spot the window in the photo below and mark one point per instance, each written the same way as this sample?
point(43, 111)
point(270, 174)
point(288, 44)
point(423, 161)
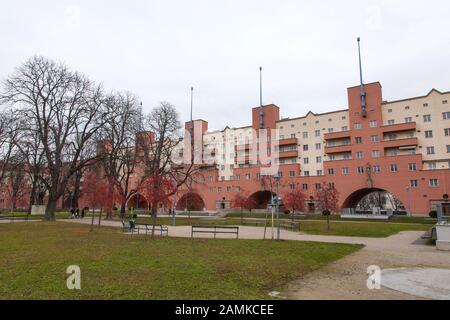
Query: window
point(319, 173)
point(248, 176)
point(228, 189)
point(360, 170)
point(444, 102)
point(292, 186)
point(447, 132)
point(211, 189)
point(347, 156)
point(332, 157)
point(305, 135)
point(391, 122)
point(318, 146)
point(446, 115)
point(359, 155)
point(374, 138)
point(432, 166)
point(392, 136)
point(357, 126)
point(344, 128)
point(430, 150)
point(394, 168)
point(331, 172)
point(330, 130)
point(258, 176)
point(427, 118)
point(429, 134)
point(238, 177)
point(376, 169)
point(293, 136)
point(448, 148)
point(219, 190)
point(304, 186)
point(318, 186)
point(211, 178)
point(412, 167)
point(238, 189)
point(408, 119)
point(319, 159)
point(373, 123)
point(306, 173)
point(291, 173)
point(358, 140)
point(389, 110)
point(345, 171)
point(414, 183)
point(305, 147)
point(317, 133)
point(306, 160)
point(434, 183)
point(425, 105)
point(375, 153)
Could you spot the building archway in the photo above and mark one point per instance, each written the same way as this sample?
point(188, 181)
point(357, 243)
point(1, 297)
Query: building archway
point(191, 201)
point(262, 199)
point(138, 202)
point(366, 199)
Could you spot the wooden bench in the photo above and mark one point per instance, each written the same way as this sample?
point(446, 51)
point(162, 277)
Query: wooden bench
point(215, 230)
point(430, 234)
point(148, 228)
point(290, 225)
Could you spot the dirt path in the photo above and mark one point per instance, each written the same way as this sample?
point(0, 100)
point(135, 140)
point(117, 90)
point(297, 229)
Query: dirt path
point(346, 279)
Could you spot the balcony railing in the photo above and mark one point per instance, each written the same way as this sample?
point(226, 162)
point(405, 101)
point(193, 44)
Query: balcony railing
point(337, 135)
point(398, 143)
point(401, 127)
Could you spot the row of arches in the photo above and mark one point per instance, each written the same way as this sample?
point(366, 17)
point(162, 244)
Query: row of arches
point(361, 200)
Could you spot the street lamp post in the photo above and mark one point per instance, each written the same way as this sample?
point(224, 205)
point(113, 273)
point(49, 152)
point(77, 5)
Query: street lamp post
point(277, 178)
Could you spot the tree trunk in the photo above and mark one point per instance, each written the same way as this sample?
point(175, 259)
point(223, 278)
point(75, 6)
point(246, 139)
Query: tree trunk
point(92, 220)
point(100, 217)
point(109, 207)
point(328, 222)
point(32, 197)
point(122, 210)
point(50, 209)
point(154, 217)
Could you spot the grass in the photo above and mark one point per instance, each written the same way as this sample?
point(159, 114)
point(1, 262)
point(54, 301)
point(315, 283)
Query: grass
point(396, 219)
point(115, 266)
point(358, 229)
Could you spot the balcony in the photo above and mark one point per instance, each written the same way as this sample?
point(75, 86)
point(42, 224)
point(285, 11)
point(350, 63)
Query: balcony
point(337, 135)
point(401, 127)
point(398, 143)
point(288, 142)
point(242, 147)
point(288, 154)
point(338, 149)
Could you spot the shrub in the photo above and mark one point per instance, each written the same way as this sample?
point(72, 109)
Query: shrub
point(287, 211)
point(433, 214)
point(326, 213)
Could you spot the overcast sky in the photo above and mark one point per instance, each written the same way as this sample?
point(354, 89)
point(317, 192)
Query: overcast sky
point(308, 49)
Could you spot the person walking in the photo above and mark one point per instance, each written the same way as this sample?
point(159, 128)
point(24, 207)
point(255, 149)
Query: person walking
point(82, 213)
point(77, 213)
point(133, 217)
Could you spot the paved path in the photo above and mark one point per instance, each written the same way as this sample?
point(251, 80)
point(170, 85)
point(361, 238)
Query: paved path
point(347, 277)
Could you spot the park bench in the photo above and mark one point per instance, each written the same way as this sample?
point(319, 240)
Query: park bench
point(215, 230)
point(290, 225)
point(148, 228)
point(430, 234)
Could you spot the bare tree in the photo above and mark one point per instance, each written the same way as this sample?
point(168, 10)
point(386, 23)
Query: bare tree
point(65, 109)
point(156, 155)
point(117, 141)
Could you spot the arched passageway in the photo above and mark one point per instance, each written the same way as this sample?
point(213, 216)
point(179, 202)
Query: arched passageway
point(262, 199)
point(137, 201)
point(367, 199)
point(191, 201)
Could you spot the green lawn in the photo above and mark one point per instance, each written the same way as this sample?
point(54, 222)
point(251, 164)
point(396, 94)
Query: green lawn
point(359, 229)
point(34, 258)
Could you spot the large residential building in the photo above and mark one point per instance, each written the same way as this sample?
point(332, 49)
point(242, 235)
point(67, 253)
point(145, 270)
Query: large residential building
point(401, 147)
